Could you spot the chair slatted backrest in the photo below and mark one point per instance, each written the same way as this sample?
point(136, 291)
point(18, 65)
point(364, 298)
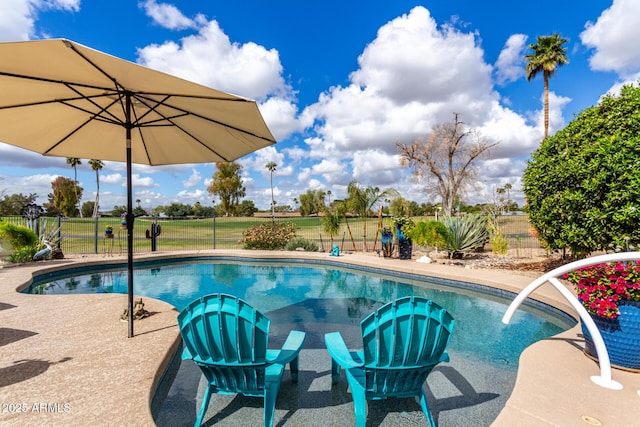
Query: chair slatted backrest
point(402, 342)
point(220, 329)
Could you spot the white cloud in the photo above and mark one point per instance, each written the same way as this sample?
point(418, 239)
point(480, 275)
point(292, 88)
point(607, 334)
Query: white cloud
point(327, 167)
point(194, 179)
point(39, 184)
point(332, 171)
point(504, 167)
point(631, 80)
point(413, 76)
point(614, 36)
point(190, 197)
point(413, 47)
point(211, 59)
point(113, 179)
point(69, 5)
point(510, 63)
point(259, 160)
point(377, 168)
point(14, 156)
point(17, 20)
point(167, 15)
point(280, 116)
point(515, 138)
point(556, 104)
point(401, 89)
point(148, 199)
point(314, 184)
point(139, 181)
point(296, 153)
point(304, 174)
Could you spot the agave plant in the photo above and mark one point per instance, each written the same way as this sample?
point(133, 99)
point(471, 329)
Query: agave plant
point(466, 233)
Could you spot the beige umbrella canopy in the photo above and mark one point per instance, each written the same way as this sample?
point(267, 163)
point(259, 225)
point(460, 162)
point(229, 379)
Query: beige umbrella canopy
point(60, 98)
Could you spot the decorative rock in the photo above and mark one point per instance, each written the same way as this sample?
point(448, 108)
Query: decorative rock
point(424, 259)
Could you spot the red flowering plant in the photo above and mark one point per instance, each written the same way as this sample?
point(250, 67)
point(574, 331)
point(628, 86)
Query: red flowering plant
point(600, 287)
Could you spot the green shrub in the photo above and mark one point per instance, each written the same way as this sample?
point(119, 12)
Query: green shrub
point(301, 242)
point(582, 184)
point(17, 235)
point(22, 255)
point(270, 235)
point(466, 233)
point(429, 233)
point(499, 243)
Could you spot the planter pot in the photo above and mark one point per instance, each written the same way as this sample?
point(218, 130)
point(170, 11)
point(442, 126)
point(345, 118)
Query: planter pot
point(387, 244)
point(405, 247)
point(621, 337)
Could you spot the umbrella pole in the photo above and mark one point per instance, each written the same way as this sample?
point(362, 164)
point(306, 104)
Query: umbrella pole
point(129, 220)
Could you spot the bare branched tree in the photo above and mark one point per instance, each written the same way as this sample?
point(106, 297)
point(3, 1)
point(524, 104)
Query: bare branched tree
point(445, 159)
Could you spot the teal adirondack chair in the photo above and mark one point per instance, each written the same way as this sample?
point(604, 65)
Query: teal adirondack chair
point(228, 339)
point(402, 342)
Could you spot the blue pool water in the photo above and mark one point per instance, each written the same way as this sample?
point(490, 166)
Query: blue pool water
point(324, 298)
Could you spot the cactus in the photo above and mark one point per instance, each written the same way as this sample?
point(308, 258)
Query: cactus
point(153, 234)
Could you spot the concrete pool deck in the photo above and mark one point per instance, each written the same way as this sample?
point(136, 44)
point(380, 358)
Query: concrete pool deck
point(66, 359)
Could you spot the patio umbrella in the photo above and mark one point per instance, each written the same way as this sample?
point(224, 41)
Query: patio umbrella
point(60, 98)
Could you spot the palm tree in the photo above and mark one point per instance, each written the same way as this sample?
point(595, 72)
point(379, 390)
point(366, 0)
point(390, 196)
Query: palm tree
point(508, 187)
point(363, 201)
point(331, 222)
point(271, 166)
point(548, 54)
point(74, 162)
point(500, 191)
point(97, 166)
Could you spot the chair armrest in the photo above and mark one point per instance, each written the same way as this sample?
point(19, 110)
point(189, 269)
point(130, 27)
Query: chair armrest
point(290, 349)
point(339, 351)
point(294, 341)
point(186, 354)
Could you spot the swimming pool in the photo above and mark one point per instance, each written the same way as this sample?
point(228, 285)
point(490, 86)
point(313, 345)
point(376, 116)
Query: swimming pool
point(299, 295)
point(324, 297)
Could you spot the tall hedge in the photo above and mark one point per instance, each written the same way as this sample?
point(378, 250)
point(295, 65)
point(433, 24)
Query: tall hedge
point(18, 236)
point(582, 185)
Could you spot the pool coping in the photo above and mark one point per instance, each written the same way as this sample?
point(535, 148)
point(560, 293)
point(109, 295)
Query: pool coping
point(70, 364)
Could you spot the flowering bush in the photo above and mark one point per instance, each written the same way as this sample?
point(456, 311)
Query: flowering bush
point(270, 235)
point(601, 286)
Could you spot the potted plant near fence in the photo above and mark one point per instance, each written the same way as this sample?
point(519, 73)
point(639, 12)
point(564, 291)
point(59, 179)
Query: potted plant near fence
point(404, 226)
point(108, 232)
point(611, 294)
point(387, 242)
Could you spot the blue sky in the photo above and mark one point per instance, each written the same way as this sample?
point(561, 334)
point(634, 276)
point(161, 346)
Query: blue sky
point(339, 83)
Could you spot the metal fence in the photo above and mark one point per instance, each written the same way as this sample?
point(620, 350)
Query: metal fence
point(87, 235)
